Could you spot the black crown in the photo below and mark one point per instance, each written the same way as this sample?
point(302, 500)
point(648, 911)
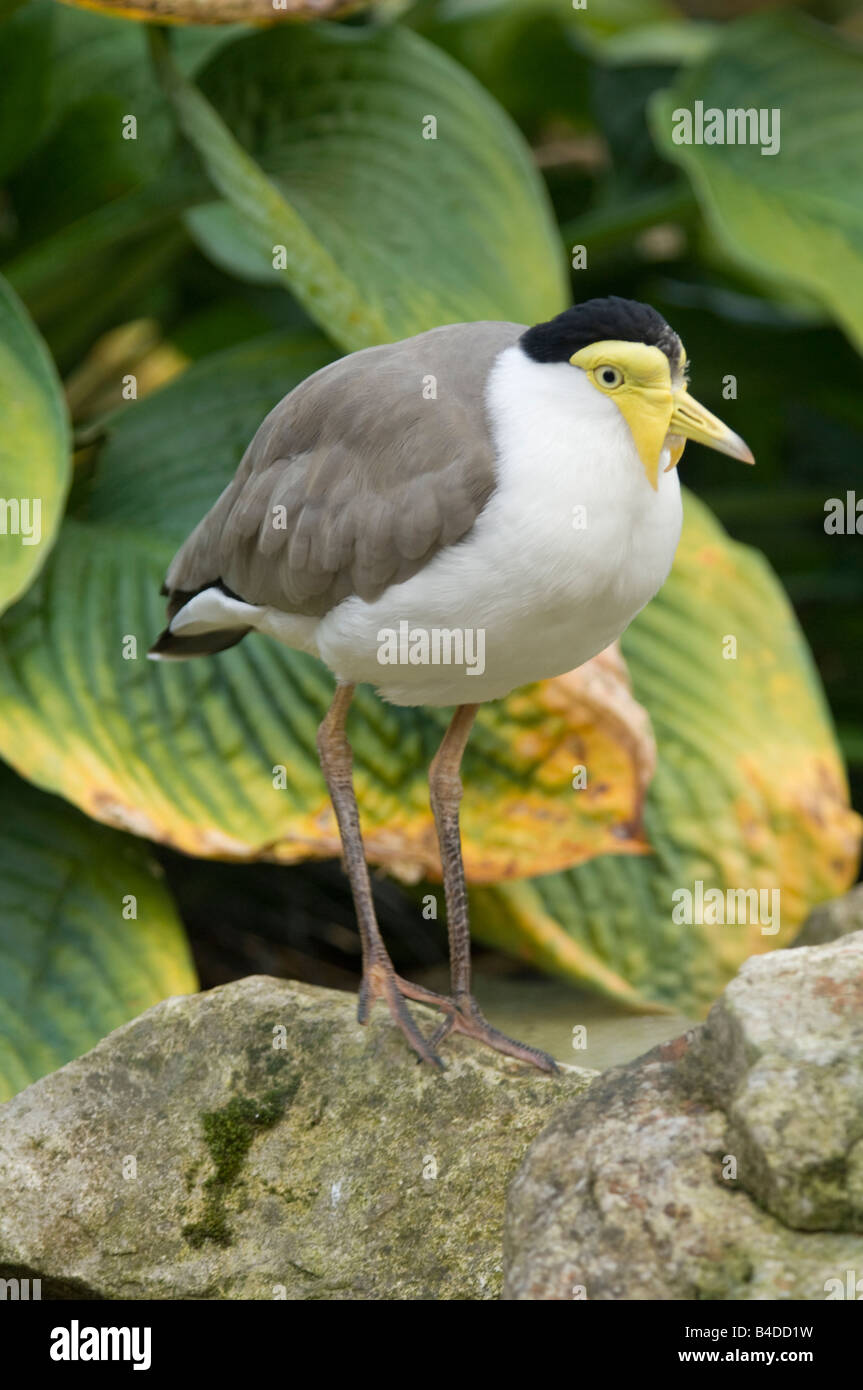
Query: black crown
point(598, 319)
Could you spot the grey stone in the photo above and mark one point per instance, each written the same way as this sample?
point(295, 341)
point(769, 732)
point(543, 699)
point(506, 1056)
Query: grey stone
point(725, 1164)
point(186, 1156)
point(782, 1055)
point(830, 920)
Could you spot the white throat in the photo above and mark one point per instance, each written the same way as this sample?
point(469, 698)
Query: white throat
point(550, 412)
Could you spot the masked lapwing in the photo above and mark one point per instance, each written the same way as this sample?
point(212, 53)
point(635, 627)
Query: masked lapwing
point(430, 487)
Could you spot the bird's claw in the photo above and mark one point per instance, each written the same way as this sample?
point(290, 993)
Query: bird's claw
point(463, 1015)
point(378, 982)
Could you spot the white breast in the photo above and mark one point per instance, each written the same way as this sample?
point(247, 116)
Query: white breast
point(572, 544)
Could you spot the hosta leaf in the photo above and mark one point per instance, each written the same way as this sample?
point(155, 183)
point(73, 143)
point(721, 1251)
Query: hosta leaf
point(749, 792)
point(797, 214)
point(35, 458)
point(167, 458)
point(74, 962)
point(186, 753)
point(315, 139)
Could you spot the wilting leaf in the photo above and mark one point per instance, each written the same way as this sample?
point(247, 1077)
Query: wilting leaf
point(219, 11)
point(749, 792)
point(796, 214)
point(72, 965)
point(316, 140)
point(189, 753)
point(34, 449)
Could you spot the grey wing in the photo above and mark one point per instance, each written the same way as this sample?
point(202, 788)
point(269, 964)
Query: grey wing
point(356, 479)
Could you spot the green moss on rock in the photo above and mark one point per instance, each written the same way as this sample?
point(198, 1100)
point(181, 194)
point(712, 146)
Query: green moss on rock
point(228, 1134)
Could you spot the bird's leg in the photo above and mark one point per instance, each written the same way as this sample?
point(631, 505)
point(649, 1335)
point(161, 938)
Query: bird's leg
point(463, 1013)
point(379, 977)
point(446, 790)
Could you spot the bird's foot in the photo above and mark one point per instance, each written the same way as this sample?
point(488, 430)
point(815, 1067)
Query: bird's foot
point(463, 1015)
point(381, 982)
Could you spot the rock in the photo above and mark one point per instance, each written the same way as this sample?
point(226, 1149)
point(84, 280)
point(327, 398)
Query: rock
point(254, 1142)
point(727, 1164)
point(782, 1056)
point(830, 920)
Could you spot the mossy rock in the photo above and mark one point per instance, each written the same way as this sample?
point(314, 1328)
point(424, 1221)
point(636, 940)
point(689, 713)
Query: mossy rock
point(254, 1142)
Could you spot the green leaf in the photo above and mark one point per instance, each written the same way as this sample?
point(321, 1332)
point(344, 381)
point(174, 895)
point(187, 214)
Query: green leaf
point(796, 215)
point(520, 51)
point(25, 46)
point(189, 438)
point(34, 449)
point(663, 41)
point(73, 966)
point(47, 275)
point(315, 139)
point(611, 17)
point(189, 753)
point(87, 191)
point(749, 792)
point(98, 76)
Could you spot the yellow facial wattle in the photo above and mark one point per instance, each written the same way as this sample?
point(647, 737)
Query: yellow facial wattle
point(658, 410)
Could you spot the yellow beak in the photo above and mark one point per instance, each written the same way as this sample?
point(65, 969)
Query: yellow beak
point(689, 420)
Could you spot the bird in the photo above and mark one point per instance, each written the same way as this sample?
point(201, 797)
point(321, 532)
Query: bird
point(407, 514)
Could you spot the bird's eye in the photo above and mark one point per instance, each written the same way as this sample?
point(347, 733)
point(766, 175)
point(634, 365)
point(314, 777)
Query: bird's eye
point(609, 377)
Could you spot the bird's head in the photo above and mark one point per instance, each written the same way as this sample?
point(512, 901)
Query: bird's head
point(629, 353)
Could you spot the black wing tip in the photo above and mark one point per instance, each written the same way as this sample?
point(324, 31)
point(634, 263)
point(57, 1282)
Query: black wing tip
point(162, 644)
point(170, 646)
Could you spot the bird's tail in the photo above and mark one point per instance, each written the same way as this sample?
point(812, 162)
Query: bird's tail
point(203, 610)
point(173, 646)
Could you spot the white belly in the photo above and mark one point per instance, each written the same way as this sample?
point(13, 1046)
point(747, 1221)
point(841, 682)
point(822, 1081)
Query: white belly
point(572, 544)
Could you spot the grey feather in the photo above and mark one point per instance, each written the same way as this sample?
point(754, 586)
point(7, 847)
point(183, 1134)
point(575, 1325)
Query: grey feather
point(366, 478)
